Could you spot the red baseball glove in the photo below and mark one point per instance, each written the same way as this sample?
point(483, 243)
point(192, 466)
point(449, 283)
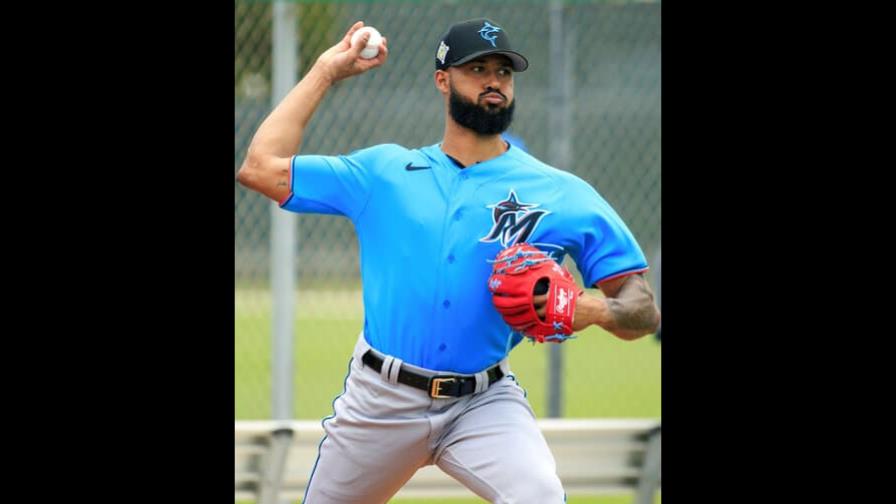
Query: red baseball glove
point(516, 272)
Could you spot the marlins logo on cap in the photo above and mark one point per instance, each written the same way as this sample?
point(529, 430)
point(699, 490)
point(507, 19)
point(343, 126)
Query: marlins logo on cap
point(488, 32)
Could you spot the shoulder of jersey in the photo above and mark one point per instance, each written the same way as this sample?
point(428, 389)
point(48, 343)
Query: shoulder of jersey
point(381, 149)
point(529, 162)
point(387, 157)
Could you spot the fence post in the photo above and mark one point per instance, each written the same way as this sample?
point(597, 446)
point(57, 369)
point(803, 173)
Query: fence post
point(559, 157)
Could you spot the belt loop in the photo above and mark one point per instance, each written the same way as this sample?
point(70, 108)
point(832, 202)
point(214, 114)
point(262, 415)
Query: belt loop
point(505, 365)
point(481, 381)
point(387, 364)
point(396, 367)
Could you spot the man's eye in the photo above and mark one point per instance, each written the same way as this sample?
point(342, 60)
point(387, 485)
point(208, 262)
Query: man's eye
point(477, 68)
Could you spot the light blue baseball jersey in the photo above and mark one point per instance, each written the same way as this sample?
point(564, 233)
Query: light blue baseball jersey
point(427, 229)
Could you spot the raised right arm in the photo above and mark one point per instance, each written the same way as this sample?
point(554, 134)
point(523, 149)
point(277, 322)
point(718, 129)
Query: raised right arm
point(266, 166)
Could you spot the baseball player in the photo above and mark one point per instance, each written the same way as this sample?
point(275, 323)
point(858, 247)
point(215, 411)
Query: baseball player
point(460, 248)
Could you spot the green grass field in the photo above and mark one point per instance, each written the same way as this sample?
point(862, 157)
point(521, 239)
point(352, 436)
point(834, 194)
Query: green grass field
point(604, 377)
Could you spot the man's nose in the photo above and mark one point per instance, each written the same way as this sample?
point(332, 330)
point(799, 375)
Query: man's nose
point(492, 82)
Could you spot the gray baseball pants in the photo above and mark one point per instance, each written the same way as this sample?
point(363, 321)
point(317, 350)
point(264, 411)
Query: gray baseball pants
point(382, 431)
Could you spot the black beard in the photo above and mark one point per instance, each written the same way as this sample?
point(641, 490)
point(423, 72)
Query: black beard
point(482, 120)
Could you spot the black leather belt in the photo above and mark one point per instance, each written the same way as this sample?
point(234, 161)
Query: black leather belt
point(439, 386)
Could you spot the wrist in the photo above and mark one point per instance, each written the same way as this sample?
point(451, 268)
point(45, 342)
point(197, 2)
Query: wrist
point(590, 311)
point(320, 75)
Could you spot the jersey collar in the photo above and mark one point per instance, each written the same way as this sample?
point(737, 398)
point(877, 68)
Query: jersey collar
point(460, 166)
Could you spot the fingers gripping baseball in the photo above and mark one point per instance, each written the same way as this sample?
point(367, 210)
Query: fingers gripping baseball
point(345, 59)
point(534, 294)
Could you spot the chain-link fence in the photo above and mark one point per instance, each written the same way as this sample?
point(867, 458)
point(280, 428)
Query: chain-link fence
point(613, 50)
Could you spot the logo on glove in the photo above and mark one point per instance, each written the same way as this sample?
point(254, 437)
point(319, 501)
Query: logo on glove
point(562, 300)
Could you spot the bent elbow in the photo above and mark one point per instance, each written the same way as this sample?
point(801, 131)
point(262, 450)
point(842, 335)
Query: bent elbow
point(653, 326)
point(265, 174)
point(630, 335)
point(650, 323)
point(241, 175)
point(249, 171)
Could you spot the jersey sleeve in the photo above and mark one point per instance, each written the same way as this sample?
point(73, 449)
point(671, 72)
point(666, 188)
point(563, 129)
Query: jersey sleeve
point(339, 185)
point(605, 248)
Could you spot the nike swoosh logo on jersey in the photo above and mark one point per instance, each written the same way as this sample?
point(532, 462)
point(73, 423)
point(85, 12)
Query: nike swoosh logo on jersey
point(412, 168)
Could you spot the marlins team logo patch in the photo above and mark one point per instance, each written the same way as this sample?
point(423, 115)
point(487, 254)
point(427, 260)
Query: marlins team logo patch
point(514, 221)
point(442, 52)
point(489, 33)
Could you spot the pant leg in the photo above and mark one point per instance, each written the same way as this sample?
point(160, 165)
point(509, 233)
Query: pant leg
point(374, 444)
point(495, 449)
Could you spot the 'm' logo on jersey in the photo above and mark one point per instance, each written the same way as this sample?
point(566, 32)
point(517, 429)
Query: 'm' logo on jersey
point(514, 221)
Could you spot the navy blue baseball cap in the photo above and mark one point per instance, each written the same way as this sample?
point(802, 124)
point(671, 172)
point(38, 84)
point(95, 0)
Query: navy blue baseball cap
point(468, 40)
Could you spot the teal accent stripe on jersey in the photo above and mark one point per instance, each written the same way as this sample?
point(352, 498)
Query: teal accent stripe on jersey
point(621, 274)
point(288, 197)
point(344, 387)
point(509, 346)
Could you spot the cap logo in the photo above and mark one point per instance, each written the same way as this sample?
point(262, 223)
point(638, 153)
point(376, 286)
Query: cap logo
point(489, 33)
point(442, 52)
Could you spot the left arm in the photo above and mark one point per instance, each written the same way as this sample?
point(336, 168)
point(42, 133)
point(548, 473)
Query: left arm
point(628, 311)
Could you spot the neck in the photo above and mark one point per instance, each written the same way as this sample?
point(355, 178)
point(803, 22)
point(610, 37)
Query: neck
point(469, 148)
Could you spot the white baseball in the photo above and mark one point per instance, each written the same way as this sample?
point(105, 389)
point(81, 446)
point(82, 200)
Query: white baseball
point(373, 43)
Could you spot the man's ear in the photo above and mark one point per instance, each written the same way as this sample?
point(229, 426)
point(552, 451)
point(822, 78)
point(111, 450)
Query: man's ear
point(442, 78)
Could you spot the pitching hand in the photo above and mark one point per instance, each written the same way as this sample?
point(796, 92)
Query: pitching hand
point(344, 60)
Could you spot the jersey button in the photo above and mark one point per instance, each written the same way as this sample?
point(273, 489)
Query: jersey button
point(464, 175)
point(458, 215)
point(450, 258)
point(446, 303)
